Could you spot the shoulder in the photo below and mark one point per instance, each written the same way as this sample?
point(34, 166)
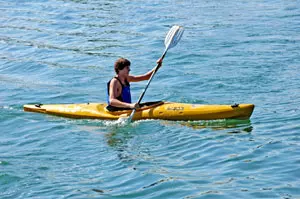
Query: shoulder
point(115, 82)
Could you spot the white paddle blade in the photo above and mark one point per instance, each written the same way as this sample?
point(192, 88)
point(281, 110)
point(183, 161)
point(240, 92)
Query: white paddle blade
point(173, 36)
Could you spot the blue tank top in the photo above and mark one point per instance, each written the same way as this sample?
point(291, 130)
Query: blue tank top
point(125, 94)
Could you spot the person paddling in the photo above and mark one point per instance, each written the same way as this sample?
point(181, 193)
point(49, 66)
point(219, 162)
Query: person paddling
point(118, 88)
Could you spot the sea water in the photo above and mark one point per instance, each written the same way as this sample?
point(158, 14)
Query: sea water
point(63, 51)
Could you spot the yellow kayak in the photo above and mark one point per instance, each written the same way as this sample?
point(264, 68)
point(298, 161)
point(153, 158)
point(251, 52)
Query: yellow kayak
point(151, 110)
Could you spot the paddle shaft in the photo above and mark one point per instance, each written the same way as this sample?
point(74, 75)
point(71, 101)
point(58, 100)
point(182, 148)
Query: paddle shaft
point(149, 81)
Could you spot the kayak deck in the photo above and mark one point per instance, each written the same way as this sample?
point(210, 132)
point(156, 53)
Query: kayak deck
point(159, 110)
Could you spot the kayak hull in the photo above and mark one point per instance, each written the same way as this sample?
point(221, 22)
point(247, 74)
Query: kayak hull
point(160, 110)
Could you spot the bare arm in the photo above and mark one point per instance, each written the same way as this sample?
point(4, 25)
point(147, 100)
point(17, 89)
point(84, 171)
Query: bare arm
point(138, 78)
point(146, 76)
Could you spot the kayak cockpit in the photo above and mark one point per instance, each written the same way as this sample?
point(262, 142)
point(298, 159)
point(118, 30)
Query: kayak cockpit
point(143, 106)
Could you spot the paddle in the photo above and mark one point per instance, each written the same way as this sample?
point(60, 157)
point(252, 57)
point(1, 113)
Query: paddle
point(171, 40)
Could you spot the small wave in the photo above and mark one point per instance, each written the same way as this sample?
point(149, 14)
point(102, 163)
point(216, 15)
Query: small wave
point(6, 107)
point(7, 178)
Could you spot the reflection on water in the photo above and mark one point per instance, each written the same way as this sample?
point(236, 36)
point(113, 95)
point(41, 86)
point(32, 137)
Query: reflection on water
point(234, 126)
point(120, 134)
point(132, 142)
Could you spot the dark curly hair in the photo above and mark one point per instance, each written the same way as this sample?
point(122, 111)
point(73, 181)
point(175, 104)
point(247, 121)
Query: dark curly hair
point(120, 64)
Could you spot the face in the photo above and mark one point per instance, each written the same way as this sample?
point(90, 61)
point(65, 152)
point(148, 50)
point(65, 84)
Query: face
point(125, 71)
